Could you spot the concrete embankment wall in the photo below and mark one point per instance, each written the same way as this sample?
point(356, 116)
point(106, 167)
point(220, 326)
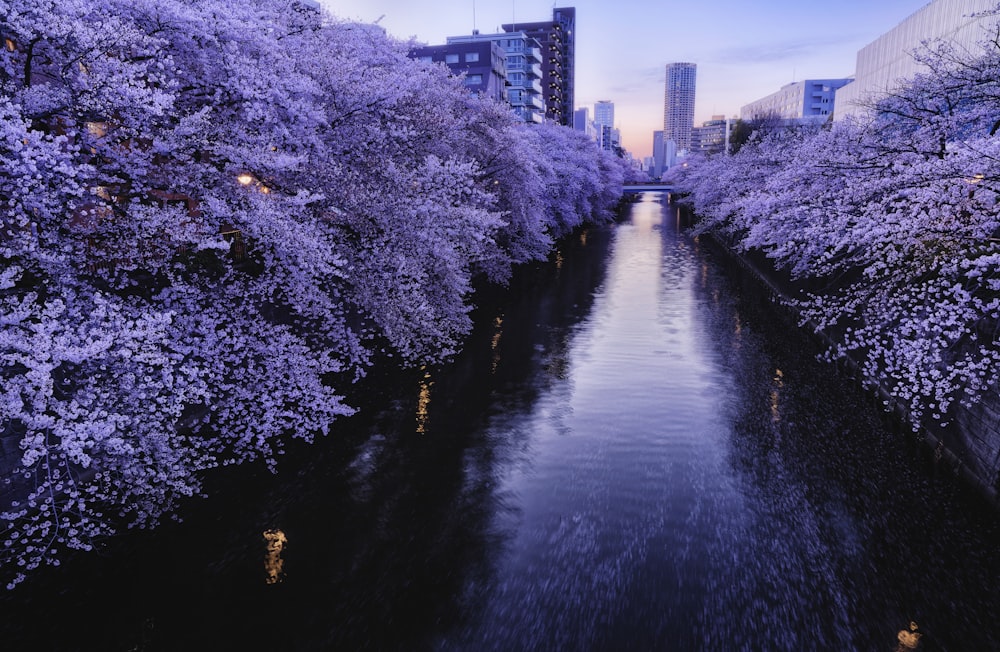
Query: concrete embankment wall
point(968, 447)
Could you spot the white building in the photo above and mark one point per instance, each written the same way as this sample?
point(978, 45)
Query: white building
point(888, 60)
point(678, 108)
point(810, 99)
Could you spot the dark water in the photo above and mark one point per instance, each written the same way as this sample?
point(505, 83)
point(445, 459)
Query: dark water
point(635, 452)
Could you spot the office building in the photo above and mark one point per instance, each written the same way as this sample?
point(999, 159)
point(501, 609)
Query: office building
point(557, 39)
point(604, 113)
point(581, 119)
point(522, 59)
point(887, 61)
point(810, 99)
point(678, 107)
point(604, 123)
point(659, 155)
point(712, 137)
point(482, 61)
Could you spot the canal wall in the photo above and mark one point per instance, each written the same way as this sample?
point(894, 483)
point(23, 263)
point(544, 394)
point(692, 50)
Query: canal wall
point(968, 447)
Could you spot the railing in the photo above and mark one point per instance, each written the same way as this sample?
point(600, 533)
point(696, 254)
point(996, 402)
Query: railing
point(648, 187)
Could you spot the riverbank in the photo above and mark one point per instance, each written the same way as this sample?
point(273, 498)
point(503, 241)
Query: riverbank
point(968, 448)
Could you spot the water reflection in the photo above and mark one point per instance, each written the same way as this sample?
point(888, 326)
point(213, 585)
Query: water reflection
point(778, 383)
point(423, 402)
point(495, 342)
point(633, 452)
point(274, 565)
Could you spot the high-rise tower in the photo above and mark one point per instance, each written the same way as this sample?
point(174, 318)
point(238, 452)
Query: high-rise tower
point(678, 104)
point(558, 41)
point(604, 113)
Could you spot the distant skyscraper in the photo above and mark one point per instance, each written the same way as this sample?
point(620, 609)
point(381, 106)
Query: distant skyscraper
point(604, 122)
point(659, 154)
point(558, 42)
point(678, 104)
point(604, 113)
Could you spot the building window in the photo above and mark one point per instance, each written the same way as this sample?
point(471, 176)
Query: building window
point(473, 80)
point(471, 57)
point(427, 59)
point(451, 58)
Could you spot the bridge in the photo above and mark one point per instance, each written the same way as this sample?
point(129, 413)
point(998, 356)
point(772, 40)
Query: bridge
point(647, 187)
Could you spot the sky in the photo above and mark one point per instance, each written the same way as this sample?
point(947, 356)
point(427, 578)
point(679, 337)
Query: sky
point(745, 49)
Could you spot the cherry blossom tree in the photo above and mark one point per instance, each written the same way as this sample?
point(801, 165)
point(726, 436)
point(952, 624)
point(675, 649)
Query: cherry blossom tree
point(894, 218)
point(215, 217)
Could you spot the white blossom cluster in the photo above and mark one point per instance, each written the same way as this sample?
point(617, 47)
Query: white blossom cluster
point(893, 223)
point(212, 216)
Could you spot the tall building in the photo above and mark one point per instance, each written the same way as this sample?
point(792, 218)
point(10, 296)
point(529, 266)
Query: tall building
point(887, 61)
point(659, 155)
point(712, 137)
point(522, 66)
point(678, 105)
point(604, 123)
point(810, 99)
point(604, 113)
point(483, 62)
point(558, 43)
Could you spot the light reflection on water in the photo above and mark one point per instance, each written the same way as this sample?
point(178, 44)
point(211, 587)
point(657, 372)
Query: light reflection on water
point(681, 489)
point(634, 451)
point(274, 565)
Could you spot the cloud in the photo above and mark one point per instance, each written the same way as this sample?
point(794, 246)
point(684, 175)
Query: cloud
point(774, 51)
point(639, 80)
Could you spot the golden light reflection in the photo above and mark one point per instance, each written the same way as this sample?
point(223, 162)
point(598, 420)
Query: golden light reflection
point(779, 382)
point(9, 44)
point(274, 565)
point(423, 402)
point(245, 179)
point(583, 238)
point(908, 639)
point(495, 341)
point(976, 178)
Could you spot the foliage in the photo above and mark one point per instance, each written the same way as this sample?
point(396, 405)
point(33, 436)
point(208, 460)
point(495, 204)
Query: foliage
point(215, 215)
point(896, 216)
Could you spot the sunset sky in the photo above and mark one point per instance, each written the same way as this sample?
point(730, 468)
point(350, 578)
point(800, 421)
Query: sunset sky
point(744, 49)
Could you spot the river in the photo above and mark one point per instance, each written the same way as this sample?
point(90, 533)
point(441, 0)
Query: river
point(635, 451)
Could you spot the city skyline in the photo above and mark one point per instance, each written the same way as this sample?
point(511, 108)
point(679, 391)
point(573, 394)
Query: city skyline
point(622, 48)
